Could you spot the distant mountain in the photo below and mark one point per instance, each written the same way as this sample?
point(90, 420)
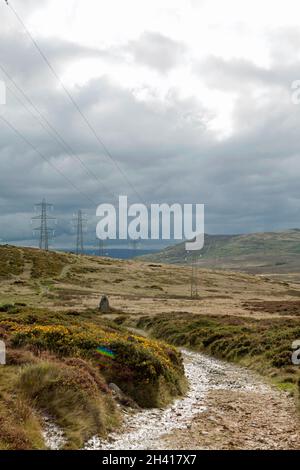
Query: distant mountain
point(256, 252)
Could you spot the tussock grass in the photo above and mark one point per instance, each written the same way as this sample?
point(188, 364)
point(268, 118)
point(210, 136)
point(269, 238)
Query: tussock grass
point(20, 427)
point(72, 397)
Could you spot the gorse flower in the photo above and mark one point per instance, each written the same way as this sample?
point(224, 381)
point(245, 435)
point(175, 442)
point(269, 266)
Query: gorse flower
point(146, 358)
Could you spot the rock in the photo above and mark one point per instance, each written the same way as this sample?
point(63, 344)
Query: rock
point(115, 389)
point(121, 397)
point(104, 304)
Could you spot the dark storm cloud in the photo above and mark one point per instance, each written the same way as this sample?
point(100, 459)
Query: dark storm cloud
point(248, 181)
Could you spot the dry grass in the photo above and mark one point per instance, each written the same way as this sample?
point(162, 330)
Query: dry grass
point(72, 396)
point(67, 289)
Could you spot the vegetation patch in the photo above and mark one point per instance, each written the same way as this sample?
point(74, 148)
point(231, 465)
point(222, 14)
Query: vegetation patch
point(11, 262)
point(282, 307)
point(20, 426)
point(54, 369)
point(45, 264)
point(149, 371)
point(74, 397)
point(264, 344)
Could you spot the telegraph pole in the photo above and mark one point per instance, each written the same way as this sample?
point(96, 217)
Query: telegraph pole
point(45, 232)
point(79, 221)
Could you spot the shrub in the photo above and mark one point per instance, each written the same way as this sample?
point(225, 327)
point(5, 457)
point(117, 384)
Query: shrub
point(137, 362)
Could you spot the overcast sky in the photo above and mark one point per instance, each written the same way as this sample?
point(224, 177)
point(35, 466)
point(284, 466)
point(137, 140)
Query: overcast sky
point(192, 98)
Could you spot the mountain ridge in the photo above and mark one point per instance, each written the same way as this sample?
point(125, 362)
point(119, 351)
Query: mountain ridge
point(258, 252)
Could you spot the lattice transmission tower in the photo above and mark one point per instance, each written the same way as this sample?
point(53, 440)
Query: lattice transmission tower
point(45, 232)
point(135, 245)
point(79, 223)
point(101, 247)
point(194, 276)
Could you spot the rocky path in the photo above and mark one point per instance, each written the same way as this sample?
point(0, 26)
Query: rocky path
point(240, 420)
point(227, 407)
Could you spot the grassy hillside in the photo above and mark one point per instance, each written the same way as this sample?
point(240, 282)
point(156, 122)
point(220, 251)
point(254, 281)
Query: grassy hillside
point(269, 252)
point(55, 361)
point(54, 368)
point(52, 327)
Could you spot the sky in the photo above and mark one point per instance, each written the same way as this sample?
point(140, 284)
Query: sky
point(191, 98)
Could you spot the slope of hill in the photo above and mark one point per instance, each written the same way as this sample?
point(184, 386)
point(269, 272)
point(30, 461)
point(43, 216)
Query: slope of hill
point(53, 329)
point(268, 252)
point(62, 354)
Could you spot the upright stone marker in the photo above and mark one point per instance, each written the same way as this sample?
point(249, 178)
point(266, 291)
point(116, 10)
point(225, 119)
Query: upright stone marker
point(104, 304)
point(2, 353)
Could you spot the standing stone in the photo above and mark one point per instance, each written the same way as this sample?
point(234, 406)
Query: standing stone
point(104, 304)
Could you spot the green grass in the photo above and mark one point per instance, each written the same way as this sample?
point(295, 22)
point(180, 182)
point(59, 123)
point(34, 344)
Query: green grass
point(41, 264)
point(45, 264)
point(11, 262)
point(263, 248)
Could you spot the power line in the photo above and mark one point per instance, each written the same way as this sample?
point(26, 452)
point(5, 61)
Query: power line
point(50, 129)
point(17, 132)
point(74, 102)
point(45, 231)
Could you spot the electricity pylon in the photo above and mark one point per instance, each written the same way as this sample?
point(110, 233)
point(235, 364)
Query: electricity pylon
point(134, 242)
point(79, 221)
point(44, 230)
point(194, 276)
point(100, 247)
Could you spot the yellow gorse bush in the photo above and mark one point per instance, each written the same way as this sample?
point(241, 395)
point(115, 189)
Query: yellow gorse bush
point(148, 358)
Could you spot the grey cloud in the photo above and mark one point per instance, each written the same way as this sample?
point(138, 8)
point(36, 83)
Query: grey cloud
point(248, 181)
point(157, 51)
point(26, 63)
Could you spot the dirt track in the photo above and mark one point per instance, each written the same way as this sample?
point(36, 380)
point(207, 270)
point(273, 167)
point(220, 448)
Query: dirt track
point(241, 420)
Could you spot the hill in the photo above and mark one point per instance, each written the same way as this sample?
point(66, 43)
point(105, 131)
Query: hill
point(63, 355)
point(267, 252)
point(53, 329)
